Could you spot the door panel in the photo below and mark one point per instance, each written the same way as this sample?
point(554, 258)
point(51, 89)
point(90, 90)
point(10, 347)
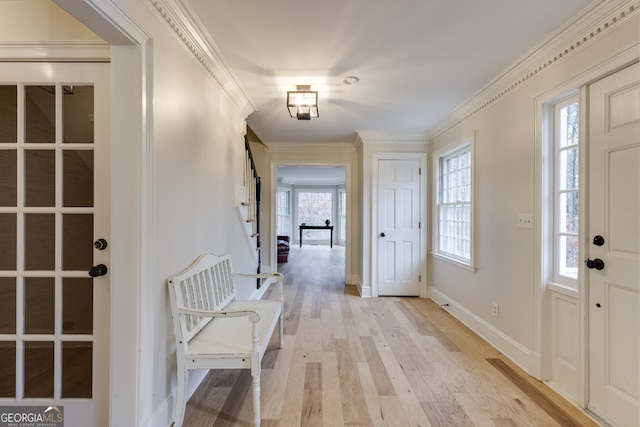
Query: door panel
point(54, 321)
point(398, 224)
point(614, 213)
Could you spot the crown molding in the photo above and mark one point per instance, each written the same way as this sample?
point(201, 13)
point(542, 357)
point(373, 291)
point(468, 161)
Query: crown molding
point(183, 23)
point(594, 23)
point(373, 137)
point(38, 51)
point(291, 147)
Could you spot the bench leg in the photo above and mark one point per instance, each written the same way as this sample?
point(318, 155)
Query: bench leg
point(181, 397)
point(281, 331)
point(256, 399)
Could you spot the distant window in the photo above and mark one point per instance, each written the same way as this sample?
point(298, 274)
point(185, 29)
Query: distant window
point(314, 208)
point(566, 184)
point(454, 210)
point(283, 212)
point(342, 220)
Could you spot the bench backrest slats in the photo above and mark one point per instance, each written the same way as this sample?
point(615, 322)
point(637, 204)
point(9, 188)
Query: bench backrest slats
point(207, 284)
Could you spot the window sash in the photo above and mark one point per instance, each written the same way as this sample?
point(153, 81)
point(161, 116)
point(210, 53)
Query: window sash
point(566, 192)
point(454, 211)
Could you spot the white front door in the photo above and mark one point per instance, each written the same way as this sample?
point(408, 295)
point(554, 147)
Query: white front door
point(613, 252)
point(399, 213)
point(54, 208)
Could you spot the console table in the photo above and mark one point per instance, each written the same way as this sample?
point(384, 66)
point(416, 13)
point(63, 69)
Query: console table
point(317, 227)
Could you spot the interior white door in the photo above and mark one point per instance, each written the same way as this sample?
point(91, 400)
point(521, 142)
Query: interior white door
point(613, 264)
point(54, 204)
point(399, 227)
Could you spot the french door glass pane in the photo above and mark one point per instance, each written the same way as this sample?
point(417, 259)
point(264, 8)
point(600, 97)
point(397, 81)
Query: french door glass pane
point(77, 108)
point(77, 167)
point(8, 241)
point(7, 305)
point(40, 178)
point(38, 369)
point(77, 364)
point(39, 242)
point(8, 369)
point(77, 238)
point(40, 114)
point(8, 113)
point(39, 305)
point(8, 176)
point(77, 306)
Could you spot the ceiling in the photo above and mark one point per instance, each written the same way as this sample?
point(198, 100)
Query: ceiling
point(417, 60)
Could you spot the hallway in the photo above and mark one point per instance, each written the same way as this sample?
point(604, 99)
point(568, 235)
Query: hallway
point(349, 361)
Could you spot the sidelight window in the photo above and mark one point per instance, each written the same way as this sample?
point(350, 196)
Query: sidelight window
point(566, 184)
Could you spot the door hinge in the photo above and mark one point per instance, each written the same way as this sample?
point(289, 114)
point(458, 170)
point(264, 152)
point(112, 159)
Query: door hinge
point(419, 225)
point(419, 277)
point(419, 171)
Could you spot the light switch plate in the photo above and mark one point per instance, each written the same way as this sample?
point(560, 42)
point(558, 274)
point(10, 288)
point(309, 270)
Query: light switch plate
point(525, 220)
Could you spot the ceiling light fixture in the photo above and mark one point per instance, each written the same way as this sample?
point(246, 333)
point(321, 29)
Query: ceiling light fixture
point(303, 103)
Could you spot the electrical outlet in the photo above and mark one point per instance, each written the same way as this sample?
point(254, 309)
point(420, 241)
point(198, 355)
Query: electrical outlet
point(525, 220)
point(495, 309)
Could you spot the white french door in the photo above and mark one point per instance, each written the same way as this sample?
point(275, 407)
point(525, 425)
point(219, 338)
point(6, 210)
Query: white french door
point(399, 211)
point(54, 211)
point(614, 248)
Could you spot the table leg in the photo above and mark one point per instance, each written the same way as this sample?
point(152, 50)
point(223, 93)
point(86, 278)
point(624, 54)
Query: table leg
point(301, 237)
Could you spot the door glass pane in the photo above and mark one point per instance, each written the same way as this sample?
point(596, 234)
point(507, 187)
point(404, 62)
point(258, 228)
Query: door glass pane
point(7, 305)
point(77, 306)
point(39, 305)
point(8, 241)
point(7, 369)
point(77, 366)
point(40, 114)
point(39, 242)
point(8, 177)
point(38, 369)
point(77, 166)
point(40, 178)
point(77, 114)
point(8, 113)
point(77, 241)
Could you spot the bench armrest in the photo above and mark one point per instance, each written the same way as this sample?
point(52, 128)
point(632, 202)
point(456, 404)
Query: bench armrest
point(254, 315)
point(279, 280)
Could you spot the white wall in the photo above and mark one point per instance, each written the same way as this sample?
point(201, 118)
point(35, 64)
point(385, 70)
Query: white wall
point(504, 118)
point(195, 148)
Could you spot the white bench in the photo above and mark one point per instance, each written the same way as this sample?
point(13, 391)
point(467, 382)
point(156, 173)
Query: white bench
point(214, 330)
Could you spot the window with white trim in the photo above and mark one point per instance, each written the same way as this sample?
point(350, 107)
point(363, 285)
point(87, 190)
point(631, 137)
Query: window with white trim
point(453, 228)
point(283, 212)
point(342, 215)
point(565, 191)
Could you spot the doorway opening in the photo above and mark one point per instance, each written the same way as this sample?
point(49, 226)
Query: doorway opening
point(311, 212)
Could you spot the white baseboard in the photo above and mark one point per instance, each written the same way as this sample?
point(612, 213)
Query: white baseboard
point(364, 291)
point(515, 351)
point(161, 416)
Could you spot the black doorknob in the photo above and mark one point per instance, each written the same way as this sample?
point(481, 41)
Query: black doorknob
point(597, 263)
point(100, 244)
point(382, 234)
point(598, 240)
point(98, 270)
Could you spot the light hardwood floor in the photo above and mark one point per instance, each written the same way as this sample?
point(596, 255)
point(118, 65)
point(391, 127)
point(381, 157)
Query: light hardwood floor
point(349, 361)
